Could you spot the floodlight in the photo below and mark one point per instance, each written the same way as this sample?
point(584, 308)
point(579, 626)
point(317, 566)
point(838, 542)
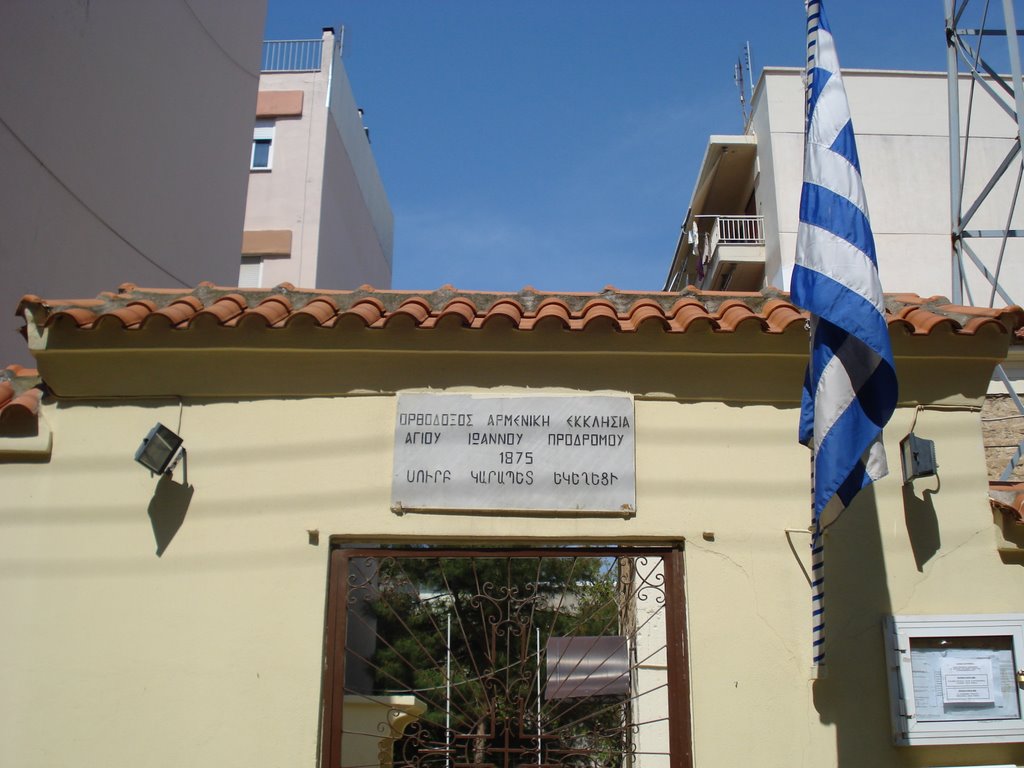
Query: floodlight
point(159, 452)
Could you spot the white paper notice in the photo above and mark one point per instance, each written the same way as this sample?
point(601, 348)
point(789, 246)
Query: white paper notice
point(963, 683)
point(967, 681)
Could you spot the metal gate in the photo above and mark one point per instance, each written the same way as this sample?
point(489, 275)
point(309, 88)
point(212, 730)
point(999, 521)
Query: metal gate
point(471, 658)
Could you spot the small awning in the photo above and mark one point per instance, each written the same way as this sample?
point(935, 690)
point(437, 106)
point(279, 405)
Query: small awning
point(726, 177)
point(586, 666)
point(267, 242)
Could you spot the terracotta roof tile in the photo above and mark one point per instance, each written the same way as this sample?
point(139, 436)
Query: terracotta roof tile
point(1008, 497)
point(223, 309)
point(599, 313)
point(923, 321)
point(461, 311)
point(975, 323)
point(552, 314)
point(179, 311)
point(413, 311)
point(318, 311)
point(83, 317)
point(733, 313)
point(780, 315)
point(686, 312)
point(646, 313)
point(503, 312)
point(365, 313)
point(129, 316)
point(19, 407)
point(270, 312)
point(21, 395)
point(447, 309)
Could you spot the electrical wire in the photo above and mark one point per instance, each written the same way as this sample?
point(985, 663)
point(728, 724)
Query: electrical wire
point(87, 207)
point(216, 42)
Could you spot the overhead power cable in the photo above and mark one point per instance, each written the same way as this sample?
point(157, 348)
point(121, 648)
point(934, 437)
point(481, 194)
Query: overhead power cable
point(110, 227)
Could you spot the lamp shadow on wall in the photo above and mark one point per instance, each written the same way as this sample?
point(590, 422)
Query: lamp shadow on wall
point(167, 510)
point(922, 523)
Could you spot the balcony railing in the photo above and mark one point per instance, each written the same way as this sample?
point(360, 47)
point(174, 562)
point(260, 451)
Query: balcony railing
point(729, 251)
point(737, 230)
point(291, 55)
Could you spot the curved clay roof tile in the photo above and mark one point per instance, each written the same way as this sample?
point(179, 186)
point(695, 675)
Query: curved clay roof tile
point(600, 313)
point(461, 311)
point(318, 311)
point(1011, 317)
point(224, 309)
point(415, 310)
point(734, 313)
point(975, 324)
point(685, 312)
point(78, 316)
point(901, 323)
point(925, 322)
point(269, 312)
point(551, 309)
point(646, 313)
point(505, 311)
point(781, 315)
point(178, 312)
point(22, 410)
point(980, 311)
point(129, 316)
point(365, 312)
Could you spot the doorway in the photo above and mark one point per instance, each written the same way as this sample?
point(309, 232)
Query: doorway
point(506, 658)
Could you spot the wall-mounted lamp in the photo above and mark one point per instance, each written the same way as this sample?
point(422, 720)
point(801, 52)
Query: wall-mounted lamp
point(918, 457)
point(161, 450)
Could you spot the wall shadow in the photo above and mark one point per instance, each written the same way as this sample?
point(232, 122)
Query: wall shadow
point(853, 695)
point(1013, 536)
point(167, 510)
point(922, 523)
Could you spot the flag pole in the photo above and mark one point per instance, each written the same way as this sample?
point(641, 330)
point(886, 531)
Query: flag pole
point(817, 545)
point(818, 670)
point(850, 389)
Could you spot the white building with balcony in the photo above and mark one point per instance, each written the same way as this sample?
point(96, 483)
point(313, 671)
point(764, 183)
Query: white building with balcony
point(740, 230)
point(317, 215)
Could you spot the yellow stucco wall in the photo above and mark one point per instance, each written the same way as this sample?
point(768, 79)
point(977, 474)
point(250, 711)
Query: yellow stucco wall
point(210, 654)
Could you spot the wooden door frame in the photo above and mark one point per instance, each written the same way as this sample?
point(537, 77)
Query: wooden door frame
point(333, 681)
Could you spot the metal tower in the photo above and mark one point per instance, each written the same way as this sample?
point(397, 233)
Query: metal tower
point(965, 57)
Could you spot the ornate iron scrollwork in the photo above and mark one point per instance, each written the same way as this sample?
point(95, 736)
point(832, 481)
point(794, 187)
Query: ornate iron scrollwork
point(473, 640)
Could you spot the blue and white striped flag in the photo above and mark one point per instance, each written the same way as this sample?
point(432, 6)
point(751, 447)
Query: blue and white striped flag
point(850, 389)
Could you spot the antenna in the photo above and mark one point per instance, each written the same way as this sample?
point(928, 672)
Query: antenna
point(750, 70)
point(737, 76)
point(744, 63)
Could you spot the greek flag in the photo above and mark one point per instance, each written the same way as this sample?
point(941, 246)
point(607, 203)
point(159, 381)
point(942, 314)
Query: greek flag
point(850, 389)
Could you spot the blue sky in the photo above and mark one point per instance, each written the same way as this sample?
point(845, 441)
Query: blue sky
point(555, 143)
